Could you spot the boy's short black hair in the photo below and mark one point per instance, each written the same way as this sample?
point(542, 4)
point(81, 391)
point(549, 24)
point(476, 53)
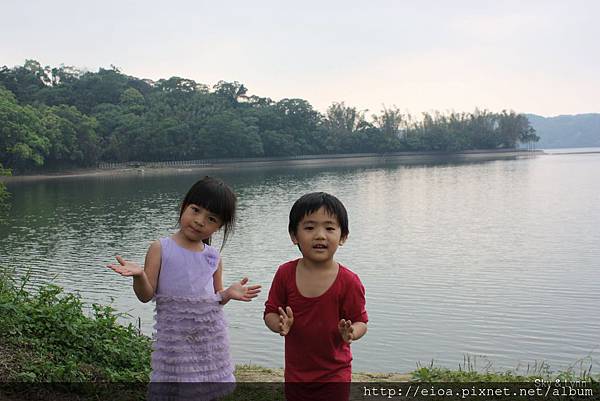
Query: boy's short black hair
point(312, 202)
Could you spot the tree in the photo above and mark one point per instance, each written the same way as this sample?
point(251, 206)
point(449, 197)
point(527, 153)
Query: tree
point(4, 195)
point(22, 141)
point(177, 84)
point(230, 92)
point(227, 135)
point(133, 101)
point(389, 123)
point(24, 82)
point(72, 136)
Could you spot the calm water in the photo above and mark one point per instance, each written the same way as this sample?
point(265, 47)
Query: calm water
point(498, 260)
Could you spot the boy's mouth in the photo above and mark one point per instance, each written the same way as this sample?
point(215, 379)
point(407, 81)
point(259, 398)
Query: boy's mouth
point(320, 246)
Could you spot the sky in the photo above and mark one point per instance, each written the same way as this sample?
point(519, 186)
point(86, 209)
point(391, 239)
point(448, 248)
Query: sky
point(530, 56)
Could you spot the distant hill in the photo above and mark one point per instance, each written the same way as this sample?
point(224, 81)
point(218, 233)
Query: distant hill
point(568, 131)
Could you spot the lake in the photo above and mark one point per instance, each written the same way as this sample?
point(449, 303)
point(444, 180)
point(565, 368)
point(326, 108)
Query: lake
point(497, 260)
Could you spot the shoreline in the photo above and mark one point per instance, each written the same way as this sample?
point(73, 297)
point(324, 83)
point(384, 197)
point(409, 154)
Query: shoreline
point(337, 160)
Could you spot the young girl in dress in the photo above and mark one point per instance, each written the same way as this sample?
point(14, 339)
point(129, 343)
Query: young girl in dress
point(183, 274)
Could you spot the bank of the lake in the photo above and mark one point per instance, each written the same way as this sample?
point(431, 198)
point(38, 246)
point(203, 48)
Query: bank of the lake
point(208, 165)
point(47, 336)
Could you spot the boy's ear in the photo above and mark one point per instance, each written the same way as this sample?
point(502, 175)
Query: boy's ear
point(343, 239)
point(293, 238)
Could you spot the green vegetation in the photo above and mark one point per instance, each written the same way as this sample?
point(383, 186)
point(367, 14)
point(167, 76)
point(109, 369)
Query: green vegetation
point(52, 339)
point(57, 118)
point(4, 194)
point(469, 372)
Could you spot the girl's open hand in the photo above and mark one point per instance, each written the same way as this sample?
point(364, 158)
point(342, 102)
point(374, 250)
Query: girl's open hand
point(346, 330)
point(242, 292)
point(286, 320)
point(125, 268)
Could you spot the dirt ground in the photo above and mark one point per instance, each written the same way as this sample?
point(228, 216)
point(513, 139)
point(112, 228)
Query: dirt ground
point(260, 374)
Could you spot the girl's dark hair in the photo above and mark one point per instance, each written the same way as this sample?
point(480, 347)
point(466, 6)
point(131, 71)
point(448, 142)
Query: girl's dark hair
point(312, 202)
point(214, 195)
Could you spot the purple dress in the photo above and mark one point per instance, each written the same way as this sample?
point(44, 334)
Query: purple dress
point(191, 342)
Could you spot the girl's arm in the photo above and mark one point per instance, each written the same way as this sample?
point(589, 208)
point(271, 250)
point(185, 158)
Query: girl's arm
point(238, 290)
point(144, 279)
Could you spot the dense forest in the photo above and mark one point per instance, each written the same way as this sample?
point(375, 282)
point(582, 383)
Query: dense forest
point(63, 117)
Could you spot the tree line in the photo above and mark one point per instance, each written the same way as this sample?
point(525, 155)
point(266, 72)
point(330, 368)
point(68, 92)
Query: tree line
point(63, 117)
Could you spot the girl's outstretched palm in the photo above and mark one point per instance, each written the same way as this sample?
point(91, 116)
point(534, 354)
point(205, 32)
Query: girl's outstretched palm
point(241, 292)
point(125, 268)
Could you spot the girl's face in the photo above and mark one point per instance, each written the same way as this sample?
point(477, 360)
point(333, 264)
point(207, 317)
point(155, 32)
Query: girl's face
point(198, 223)
point(318, 235)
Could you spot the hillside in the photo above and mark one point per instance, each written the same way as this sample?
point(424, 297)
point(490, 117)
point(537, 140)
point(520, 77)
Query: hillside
point(567, 131)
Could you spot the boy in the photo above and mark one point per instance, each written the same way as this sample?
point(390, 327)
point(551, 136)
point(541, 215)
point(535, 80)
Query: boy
point(316, 303)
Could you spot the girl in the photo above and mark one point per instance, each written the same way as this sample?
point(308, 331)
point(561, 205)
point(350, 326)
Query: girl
point(183, 274)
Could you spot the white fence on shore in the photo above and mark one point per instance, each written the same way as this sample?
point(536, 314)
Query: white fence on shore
point(212, 162)
point(172, 163)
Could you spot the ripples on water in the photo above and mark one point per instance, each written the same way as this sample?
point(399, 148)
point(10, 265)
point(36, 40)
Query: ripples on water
point(498, 259)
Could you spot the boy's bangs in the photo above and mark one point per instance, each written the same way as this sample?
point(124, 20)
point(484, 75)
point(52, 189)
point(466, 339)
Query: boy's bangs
point(312, 202)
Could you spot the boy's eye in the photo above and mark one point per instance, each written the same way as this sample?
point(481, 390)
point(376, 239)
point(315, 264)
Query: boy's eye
point(330, 228)
point(308, 228)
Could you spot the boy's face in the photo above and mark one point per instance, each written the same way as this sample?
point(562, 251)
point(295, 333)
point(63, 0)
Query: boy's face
point(318, 235)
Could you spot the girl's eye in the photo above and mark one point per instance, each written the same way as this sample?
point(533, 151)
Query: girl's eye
point(212, 219)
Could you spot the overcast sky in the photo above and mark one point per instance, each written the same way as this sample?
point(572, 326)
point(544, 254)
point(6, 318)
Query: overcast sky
point(539, 57)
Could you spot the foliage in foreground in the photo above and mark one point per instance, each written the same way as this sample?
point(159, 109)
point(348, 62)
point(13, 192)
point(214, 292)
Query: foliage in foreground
point(468, 371)
point(56, 341)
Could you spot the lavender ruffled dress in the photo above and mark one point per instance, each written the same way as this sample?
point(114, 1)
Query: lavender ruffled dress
point(191, 342)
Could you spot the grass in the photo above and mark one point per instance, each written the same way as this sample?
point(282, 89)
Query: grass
point(468, 371)
point(52, 339)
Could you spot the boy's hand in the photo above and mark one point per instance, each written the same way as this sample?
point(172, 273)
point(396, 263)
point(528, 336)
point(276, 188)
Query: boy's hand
point(286, 320)
point(346, 330)
point(241, 292)
point(125, 268)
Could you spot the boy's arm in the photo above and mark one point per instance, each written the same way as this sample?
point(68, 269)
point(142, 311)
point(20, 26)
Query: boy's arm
point(360, 329)
point(276, 318)
point(280, 323)
point(353, 308)
point(272, 322)
point(351, 331)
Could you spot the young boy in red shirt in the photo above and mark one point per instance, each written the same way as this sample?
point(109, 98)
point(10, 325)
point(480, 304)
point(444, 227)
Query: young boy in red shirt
point(316, 303)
